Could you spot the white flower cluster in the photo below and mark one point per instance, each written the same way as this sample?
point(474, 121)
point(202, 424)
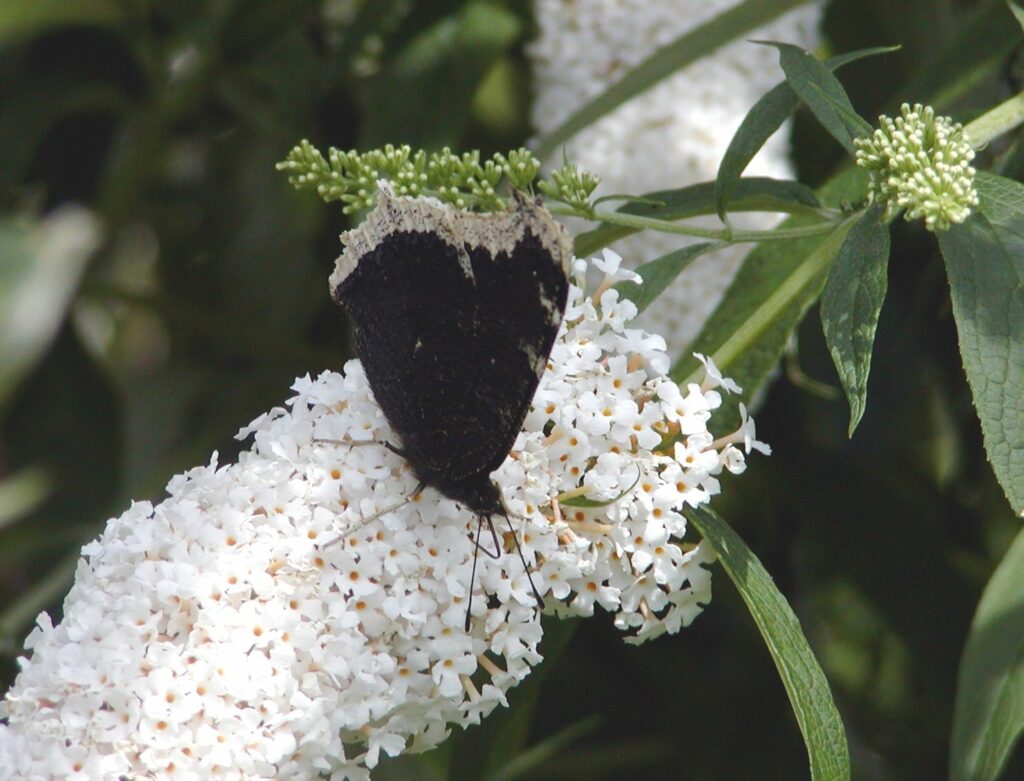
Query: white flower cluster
point(922, 163)
point(256, 625)
point(671, 136)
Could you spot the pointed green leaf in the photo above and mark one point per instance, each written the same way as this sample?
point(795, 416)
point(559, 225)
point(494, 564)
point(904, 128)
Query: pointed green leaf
point(985, 265)
point(822, 93)
point(627, 198)
point(989, 714)
point(1000, 200)
point(778, 283)
point(805, 682)
point(851, 303)
point(984, 37)
point(761, 122)
point(534, 757)
point(22, 492)
point(42, 264)
point(688, 48)
point(1018, 12)
point(658, 274)
point(756, 193)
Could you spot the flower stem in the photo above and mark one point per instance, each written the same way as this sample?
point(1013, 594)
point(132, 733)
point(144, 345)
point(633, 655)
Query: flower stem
point(572, 493)
point(1002, 119)
point(727, 235)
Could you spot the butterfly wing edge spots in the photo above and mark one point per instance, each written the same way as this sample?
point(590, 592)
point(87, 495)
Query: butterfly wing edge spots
point(497, 232)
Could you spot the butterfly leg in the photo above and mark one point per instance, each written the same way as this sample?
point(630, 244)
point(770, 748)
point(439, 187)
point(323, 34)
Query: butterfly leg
point(359, 524)
point(477, 547)
point(396, 450)
point(472, 574)
point(497, 547)
point(494, 536)
point(360, 443)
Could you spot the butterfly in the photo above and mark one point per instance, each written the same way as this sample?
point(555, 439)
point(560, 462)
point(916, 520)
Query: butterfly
point(454, 315)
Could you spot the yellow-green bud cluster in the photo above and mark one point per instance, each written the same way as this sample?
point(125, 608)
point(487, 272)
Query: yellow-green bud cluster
point(573, 186)
point(920, 162)
point(463, 180)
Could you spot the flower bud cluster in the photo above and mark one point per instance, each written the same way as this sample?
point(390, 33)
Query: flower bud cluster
point(461, 180)
point(920, 162)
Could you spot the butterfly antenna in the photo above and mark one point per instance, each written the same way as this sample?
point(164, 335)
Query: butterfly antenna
point(522, 558)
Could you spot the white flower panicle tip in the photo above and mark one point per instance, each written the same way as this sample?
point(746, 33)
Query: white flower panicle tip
point(670, 136)
point(221, 634)
point(920, 162)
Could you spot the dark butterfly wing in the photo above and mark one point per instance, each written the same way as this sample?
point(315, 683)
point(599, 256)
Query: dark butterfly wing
point(455, 315)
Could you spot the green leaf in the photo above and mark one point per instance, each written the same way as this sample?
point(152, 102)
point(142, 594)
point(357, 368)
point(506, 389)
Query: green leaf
point(436, 75)
point(42, 265)
point(688, 48)
point(778, 283)
point(1018, 12)
point(851, 303)
point(822, 93)
point(989, 714)
point(985, 265)
point(535, 756)
point(999, 200)
point(658, 274)
point(761, 122)
point(760, 194)
point(978, 51)
point(22, 492)
point(626, 198)
point(24, 18)
point(806, 685)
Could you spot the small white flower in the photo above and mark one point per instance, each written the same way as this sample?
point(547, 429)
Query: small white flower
point(594, 589)
point(447, 673)
point(713, 376)
point(749, 430)
point(611, 264)
point(616, 313)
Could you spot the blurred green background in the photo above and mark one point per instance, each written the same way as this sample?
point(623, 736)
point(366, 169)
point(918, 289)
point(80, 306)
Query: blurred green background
point(136, 337)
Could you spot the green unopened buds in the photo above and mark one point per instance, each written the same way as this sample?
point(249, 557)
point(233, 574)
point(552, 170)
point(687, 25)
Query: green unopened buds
point(920, 162)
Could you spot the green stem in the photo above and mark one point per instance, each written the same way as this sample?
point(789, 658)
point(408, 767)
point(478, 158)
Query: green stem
point(727, 235)
point(769, 311)
point(1002, 119)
